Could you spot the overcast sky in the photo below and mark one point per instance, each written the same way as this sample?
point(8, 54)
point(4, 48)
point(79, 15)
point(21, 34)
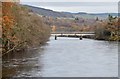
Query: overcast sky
point(89, 6)
point(69, 0)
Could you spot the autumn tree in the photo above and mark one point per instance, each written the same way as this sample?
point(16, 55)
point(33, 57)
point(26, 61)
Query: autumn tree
point(9, 39)
point(53, 28)
point(108, 29)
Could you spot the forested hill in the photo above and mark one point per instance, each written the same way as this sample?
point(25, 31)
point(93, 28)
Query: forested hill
point(47, 12)
point(51, 13)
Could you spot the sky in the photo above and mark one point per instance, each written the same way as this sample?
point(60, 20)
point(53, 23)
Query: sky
point(69, 0)
point(74, 6)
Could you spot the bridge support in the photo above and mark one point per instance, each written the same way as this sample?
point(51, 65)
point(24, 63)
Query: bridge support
point(80, 37)
point(55, 37)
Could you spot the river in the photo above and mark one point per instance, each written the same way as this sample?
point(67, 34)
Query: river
point(65, 57)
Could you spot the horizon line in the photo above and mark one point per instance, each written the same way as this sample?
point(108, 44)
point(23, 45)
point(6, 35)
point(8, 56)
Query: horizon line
point(70, 11)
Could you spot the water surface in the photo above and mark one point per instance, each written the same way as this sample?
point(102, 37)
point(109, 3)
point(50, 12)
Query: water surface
point(66, 57)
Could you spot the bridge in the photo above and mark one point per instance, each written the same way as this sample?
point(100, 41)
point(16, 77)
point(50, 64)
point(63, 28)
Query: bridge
point(72, 34)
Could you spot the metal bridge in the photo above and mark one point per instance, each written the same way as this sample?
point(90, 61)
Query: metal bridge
point(72, 33)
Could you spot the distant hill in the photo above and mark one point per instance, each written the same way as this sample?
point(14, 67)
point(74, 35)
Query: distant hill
point(51, 13)
point(48, 12)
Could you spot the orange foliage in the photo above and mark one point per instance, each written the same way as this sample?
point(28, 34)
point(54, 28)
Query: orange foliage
point(8, 21)
point(53, 28)
point(7, 18)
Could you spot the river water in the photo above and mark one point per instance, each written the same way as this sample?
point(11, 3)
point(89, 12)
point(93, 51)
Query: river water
point(65, 57)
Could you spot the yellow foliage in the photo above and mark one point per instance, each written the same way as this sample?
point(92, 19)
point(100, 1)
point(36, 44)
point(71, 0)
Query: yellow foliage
point(53, 28)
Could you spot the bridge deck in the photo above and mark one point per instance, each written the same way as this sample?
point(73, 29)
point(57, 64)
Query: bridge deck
point(72, 33)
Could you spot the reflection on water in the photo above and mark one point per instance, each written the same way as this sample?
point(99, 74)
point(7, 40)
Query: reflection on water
point(22, 64)
point(65, 57)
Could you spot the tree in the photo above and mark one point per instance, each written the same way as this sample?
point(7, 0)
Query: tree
point(7, 25)
point(76, 19)
point(97, 19)
point(53, 28)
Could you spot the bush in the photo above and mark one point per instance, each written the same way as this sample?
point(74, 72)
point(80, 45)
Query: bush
point(28, 29)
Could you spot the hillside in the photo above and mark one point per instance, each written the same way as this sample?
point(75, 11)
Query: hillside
point(51, 13)
point(47, 12)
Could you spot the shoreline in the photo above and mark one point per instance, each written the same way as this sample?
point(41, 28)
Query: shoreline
point(88, 37)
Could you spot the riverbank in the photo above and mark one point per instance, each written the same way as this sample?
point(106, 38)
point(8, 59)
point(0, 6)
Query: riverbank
point(89, 37)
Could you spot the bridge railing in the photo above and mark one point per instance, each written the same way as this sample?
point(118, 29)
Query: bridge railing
point(72, 32)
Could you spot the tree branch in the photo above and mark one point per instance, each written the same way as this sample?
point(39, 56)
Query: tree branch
point(13, 48)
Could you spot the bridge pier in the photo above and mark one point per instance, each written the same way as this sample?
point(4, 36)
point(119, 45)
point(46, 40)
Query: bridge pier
point(80, 37)
point(55, 37)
